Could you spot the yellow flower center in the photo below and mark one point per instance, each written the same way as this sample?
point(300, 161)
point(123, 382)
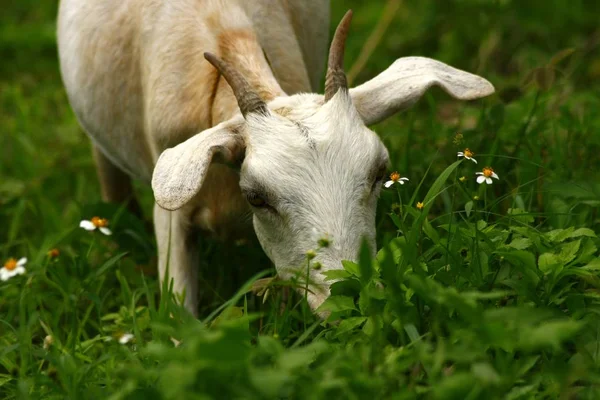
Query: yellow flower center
point(468, 153)
point(10, 264)
point(99, 222)
point(395, 177)
point(462, 178)
point(420, 205)
point(488, 172)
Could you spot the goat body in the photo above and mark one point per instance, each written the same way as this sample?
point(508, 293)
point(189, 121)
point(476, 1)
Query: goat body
point(156, 110)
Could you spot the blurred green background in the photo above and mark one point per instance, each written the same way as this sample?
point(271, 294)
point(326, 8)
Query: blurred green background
point(540, 131)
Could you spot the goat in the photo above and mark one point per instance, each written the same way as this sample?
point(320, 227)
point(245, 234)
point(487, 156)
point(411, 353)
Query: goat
point(155, 110)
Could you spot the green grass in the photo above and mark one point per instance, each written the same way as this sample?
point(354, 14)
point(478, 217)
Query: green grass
point(491, 298)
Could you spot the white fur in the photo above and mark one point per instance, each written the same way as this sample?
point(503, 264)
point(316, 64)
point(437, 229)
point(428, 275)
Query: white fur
point(325, 181)
point(138, 83)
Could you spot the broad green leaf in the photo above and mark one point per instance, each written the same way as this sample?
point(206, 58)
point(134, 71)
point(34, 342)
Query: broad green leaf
point(520, 215)
point(372, 326)
point(351, 267)
point(583, 232)
point(485, 373)
point(394, 247)
point(559, 235)
point(526, 363)
point(469, 208)
point(337, 304)
point(4, 379)
point(334, 274)
point(397, 221)
point(568, 251)
point(588, 250)
point(520, 243)
point(549, 262)
point(375, 290)
point(549, 334)
point(349, 324)
point(456, 386)
point(228, 314)
point(525, 260)
point(522, 392)
point(269, 382)
point(388, 258)
point(594, 265)
point(302, 356)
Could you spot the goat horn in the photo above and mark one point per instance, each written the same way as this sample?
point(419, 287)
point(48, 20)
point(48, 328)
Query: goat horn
point(248, 100)
point(336, 78)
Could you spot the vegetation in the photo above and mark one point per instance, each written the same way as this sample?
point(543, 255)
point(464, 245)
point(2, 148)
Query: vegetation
point(482, 291)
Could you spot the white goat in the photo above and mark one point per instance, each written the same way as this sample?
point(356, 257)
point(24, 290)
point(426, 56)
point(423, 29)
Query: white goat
point(155, 110)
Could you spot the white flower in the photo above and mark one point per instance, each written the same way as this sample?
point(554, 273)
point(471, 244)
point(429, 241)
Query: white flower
point(126, 338)
point(468, 154)
point(96, 222)
point(395, 178)
point(486, 176)
point(12, 268)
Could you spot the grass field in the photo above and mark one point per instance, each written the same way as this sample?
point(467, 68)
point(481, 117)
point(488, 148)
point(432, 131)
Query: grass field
point(488, 291)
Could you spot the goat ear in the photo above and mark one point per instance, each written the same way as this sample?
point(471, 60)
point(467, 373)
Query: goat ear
point(180, 171)
point(406, 80)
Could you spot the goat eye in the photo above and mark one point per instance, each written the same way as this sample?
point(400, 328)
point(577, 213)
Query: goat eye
point(256, 200)
point(381, 173)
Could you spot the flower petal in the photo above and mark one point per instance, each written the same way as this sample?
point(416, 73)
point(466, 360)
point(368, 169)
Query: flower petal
point(401, 182)
point(20, 270)
point(480, 179)
point(22, 261)
point(478, 173)
point(403, 179)
point(105, 230)
point(125, 338)
point(388, 184)
point(495, 175)
point(3, 274)
point(488, 181)
point(474, 160)
point(6, 275)
point(460, 154)
point(87, 225)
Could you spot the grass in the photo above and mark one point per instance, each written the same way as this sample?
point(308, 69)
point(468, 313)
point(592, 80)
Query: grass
point(487, 292)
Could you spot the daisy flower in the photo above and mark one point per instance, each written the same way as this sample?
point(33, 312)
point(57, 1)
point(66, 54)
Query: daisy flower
point(468, 154)
point(395, 178)
point(12, 268)
point(486, 176)
point(126, 338)
point(96, 222)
